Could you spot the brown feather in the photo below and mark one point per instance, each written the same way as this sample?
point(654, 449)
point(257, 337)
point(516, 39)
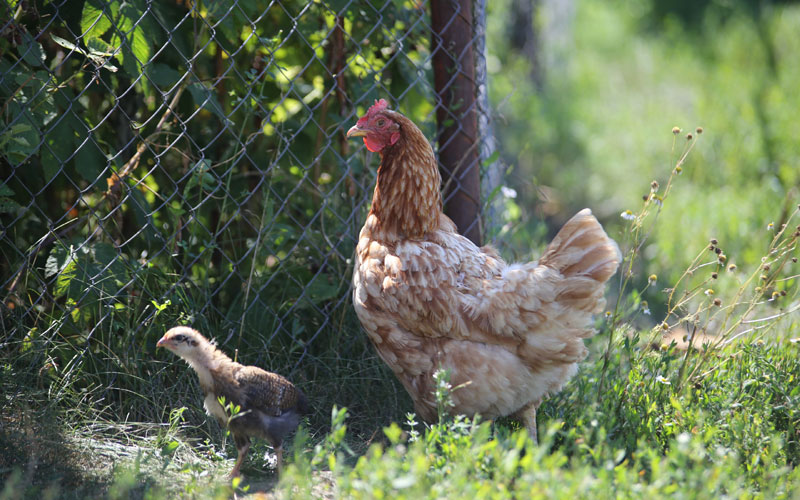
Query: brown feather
point(270, 405)
point(428, 298)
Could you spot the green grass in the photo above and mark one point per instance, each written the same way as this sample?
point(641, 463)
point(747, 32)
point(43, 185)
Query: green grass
point(731, 433)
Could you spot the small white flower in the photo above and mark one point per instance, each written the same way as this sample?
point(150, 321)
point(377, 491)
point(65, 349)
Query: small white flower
point(770, 226)
point(662, 380)
point(508, 192)
point(646, 310)
point(627, 215)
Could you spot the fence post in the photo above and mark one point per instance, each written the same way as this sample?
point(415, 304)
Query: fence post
point(456, 113)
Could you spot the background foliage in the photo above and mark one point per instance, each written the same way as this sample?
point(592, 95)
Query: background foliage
point(186, 163)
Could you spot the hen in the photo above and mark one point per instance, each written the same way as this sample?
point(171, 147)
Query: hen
point(430, 299)
point(270, 405)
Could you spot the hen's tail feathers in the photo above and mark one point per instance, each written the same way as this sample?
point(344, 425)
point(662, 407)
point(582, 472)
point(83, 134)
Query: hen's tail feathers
point(583, 249)
point(585, 258)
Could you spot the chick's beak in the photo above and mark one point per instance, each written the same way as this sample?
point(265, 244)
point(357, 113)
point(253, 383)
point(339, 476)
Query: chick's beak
point(355, 131)
point(162, 342)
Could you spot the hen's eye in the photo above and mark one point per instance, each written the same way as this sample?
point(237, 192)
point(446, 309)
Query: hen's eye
point(381, 122)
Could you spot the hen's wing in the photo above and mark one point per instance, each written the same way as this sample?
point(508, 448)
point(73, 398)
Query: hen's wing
point(547, 305)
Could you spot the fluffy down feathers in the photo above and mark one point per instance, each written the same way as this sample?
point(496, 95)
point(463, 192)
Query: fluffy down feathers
point(271, 406)
point(429, 298)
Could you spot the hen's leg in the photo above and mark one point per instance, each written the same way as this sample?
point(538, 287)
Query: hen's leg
point(527, 417)
point(242, 446)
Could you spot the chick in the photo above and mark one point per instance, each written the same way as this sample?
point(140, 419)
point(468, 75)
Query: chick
point(271, 406)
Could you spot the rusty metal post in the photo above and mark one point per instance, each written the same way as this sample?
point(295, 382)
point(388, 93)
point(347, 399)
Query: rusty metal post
point(456, 113)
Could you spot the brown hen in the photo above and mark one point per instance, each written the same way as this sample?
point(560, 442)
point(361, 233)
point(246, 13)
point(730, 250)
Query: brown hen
point(270, 405)
point(430, 299)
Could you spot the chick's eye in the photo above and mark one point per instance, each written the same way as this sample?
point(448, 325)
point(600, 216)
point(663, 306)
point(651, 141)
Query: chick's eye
point(180, 338)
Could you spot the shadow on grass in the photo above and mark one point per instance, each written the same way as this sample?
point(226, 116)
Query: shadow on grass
point(36, 459)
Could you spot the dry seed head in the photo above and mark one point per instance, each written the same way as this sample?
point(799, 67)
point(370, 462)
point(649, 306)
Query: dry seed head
point(676, 130)
point(718, 250)
point(714, 241)
point(714, 276)
point(794, 260)
point(654, 185)
point(783, 293)
point(689, 136)
point(717, 302)
point(763, 277)
point(765, 267)
point(664, 326)
point(699, 130)
point(732, 267)
point(721, 258)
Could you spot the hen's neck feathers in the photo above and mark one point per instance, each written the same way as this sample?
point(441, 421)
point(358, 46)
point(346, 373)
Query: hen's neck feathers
point(407, 201)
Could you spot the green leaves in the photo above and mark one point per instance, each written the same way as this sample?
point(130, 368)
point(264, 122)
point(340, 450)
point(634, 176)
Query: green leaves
point(85, 275)
point(96, 18)
point(30, 50)
point(99, 57)
point(7, 204)
point(125, 30)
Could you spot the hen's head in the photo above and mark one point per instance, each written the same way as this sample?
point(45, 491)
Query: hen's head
point(378, 127)
point(185, 342)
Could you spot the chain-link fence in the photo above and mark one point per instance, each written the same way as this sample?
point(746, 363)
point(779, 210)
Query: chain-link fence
point(185, 162)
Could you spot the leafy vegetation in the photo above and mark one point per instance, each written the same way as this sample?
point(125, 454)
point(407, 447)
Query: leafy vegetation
point(167, 163)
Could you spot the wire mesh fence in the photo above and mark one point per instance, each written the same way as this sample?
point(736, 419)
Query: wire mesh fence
point(185, 162)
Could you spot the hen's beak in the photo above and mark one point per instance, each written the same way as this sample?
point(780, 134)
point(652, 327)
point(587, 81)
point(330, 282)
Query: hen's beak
point(356, 132)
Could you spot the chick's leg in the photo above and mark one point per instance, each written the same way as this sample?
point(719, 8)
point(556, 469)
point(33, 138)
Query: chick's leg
point(242, 446)
point(527, 417)
point(279, 458)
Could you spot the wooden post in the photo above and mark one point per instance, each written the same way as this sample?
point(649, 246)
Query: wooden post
point(456, 113)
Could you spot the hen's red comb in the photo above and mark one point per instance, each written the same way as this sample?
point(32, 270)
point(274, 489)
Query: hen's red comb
point(380, 105)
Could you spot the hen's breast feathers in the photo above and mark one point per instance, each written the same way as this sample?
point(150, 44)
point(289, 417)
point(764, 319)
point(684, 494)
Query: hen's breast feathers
point(443, 301)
